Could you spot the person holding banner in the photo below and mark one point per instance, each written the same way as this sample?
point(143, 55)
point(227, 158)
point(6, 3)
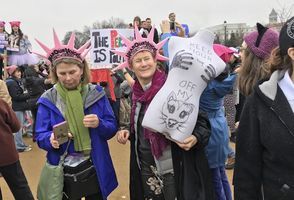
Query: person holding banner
point(161, 169)
point(19, 47)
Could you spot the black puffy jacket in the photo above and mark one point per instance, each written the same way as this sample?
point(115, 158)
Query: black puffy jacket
point(18, 97)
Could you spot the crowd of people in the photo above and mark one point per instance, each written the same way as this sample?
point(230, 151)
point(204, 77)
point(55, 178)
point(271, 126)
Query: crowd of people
point(250, 103)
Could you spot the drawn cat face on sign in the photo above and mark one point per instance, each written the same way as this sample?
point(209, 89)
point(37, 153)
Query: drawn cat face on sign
point(175, 112)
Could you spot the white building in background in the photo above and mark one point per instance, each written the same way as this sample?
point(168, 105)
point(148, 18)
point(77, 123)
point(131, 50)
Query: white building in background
point(225, 30)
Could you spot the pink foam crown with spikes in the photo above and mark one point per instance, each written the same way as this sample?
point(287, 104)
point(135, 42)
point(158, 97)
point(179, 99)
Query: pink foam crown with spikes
point(60, 51)
point(140, 44)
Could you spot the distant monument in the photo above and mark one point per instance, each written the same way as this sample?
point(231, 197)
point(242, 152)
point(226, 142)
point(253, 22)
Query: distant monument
point(273, 17)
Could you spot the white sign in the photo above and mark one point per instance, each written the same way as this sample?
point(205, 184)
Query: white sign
point(13, 43)
point(105, 40)
point(3, 41)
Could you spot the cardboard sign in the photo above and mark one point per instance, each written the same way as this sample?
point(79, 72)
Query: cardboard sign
point(104, 40)
point(3, 41)
point(13, 43)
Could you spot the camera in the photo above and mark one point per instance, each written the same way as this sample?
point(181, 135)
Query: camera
point(172, 25)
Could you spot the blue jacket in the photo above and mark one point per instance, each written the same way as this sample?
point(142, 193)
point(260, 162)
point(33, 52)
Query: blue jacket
point(211, 102)
point(95, 103)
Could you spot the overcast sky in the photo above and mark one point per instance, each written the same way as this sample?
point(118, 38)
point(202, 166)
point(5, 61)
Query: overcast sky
point(38, 17)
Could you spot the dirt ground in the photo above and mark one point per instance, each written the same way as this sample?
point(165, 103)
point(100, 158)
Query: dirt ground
point(33, 161)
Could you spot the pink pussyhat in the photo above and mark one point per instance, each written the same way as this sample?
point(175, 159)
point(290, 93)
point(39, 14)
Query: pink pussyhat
point(10, 69)
point(140, 44)
point(60, 51)
point(2, 24)
point(223, 52)
point(14, 23)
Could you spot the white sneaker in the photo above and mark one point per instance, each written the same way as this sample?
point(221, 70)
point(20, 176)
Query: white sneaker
point(28, 148)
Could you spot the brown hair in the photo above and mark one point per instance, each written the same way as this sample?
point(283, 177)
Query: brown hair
point(278, 62)
point(252, 70)
point(84, 66)
point(137, 18)
point(170, 14)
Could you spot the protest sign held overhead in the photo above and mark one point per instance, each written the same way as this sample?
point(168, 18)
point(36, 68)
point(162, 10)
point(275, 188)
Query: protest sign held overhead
point(105, 40)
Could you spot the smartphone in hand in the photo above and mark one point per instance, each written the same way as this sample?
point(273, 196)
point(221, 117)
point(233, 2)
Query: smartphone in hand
point(61, 132)
point(172, 26)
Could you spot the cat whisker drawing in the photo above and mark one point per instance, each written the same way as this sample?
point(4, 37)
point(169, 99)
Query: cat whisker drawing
point(175, 112)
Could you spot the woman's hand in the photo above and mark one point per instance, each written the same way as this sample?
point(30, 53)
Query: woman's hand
point(188, 143)
point(165, 26)
point(91, 121)
point(123, 136)
point(54, 142)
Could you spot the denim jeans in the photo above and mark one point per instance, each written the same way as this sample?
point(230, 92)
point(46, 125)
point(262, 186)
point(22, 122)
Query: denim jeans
point(20, 145)
point(231, 153)
point(221, 184)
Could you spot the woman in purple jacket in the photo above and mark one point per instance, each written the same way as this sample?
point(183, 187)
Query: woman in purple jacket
point(85, 108)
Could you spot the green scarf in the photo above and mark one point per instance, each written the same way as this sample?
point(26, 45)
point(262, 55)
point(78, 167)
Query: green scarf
point(74, 114)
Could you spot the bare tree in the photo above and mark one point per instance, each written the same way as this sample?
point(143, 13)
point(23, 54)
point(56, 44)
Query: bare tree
point(81, 38)
point(84, 36)
point(284, 12)
point(113, 23)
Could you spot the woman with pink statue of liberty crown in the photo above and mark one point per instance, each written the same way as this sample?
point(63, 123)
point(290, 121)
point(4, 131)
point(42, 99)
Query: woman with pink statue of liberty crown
point(161, 169)
point(91, 123)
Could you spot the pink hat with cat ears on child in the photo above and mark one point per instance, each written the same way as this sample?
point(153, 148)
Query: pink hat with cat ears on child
point(11, 69)
point(2, 23)
point(223, 52)
point(14, 23)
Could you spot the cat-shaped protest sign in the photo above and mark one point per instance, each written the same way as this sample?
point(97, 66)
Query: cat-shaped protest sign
point(193, 63)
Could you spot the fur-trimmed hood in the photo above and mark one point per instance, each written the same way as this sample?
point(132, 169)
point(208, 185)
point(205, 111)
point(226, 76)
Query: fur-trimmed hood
point(269, 88)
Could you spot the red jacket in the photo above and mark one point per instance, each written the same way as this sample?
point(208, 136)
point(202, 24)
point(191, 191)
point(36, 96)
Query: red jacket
point(9, 124)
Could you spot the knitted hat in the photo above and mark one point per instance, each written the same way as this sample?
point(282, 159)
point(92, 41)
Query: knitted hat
point(14, 23)
point(262, 41)
point(286, 39)
point(11, 69)
point(223, 52)
point(2, 23)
